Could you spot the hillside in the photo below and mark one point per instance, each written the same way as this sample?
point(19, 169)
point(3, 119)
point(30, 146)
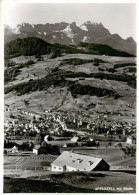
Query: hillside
point(102, 49)
point(27, 47)
point(36, 46)
point(78, 182)
point(87, 84)
point(65, 34)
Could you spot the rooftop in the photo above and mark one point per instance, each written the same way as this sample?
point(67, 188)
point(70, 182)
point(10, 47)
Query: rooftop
point(82, 162)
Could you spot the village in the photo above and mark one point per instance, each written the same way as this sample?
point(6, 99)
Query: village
point(68, 142)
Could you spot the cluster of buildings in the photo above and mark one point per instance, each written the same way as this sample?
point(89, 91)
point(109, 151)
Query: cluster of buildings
point(54, 124)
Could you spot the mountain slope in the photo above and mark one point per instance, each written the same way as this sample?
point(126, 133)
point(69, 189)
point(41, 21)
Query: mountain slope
point(66, 84)
point(65, 33)
point(36, 46)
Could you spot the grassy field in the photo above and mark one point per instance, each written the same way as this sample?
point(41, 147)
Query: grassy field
point(10, 159)
point(53, 98)
point(13, 185)
point(96, 179)
point(32, 161)
point(72, 182)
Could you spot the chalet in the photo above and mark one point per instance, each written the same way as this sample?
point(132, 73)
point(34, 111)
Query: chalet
point(74, 139)
point(130, 140)
point(69, 161)
point(36, 149)
point(91, 139)
point(46, 138)
point(14, 150)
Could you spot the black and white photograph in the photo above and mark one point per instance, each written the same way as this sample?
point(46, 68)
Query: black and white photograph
point(70, 72)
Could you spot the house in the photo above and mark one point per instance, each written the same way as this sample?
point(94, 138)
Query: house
point(36, 149)
point(74, 139)
point(91, 139)
point(46, 138)
point(14, 150)
point(69, 161)
point(130, 140)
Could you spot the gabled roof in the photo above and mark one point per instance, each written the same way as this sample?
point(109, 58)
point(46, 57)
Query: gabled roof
point(78, 161)
point(14, 147)
point(46, 136)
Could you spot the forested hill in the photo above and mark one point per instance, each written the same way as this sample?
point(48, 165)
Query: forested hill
point(27, 47)
point(102, 49)
point(36, 46)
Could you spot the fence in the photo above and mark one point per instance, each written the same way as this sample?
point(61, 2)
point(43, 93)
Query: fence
point(20, 167)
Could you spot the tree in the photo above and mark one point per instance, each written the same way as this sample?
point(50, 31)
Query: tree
point(49, 150)
point(48, 70)
point(11, 115)
point(31, 146)
point(120, 145)
point(38, 139)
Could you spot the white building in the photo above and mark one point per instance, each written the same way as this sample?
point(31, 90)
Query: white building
point(36, 149)
point(129, 140)
point(14, 150)
point(69, 161)
point(74, 139)
point(46, 138)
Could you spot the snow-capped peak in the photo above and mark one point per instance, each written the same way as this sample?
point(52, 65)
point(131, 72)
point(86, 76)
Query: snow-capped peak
point(68, 32)
point(83, 27)
point(32, 25)
point(16, 30)
point(85, 39)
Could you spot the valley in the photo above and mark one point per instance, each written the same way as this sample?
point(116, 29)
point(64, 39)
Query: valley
point(64, 99)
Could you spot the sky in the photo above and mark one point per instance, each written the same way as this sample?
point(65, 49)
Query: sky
point(118, 18)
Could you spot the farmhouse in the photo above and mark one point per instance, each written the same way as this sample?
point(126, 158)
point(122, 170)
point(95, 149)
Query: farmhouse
point(74, 139)
point(36, 149)
point(69, 161)
point(130, 140)
point(14, 150)
point(46, 138)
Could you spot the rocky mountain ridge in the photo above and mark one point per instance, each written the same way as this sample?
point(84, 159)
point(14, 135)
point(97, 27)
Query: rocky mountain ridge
point(65, 33)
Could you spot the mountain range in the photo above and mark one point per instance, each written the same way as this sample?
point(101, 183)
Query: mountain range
point(65, 33)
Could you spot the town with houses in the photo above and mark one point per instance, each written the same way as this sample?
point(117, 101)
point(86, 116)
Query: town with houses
point(68, 132)
point(69, 108)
